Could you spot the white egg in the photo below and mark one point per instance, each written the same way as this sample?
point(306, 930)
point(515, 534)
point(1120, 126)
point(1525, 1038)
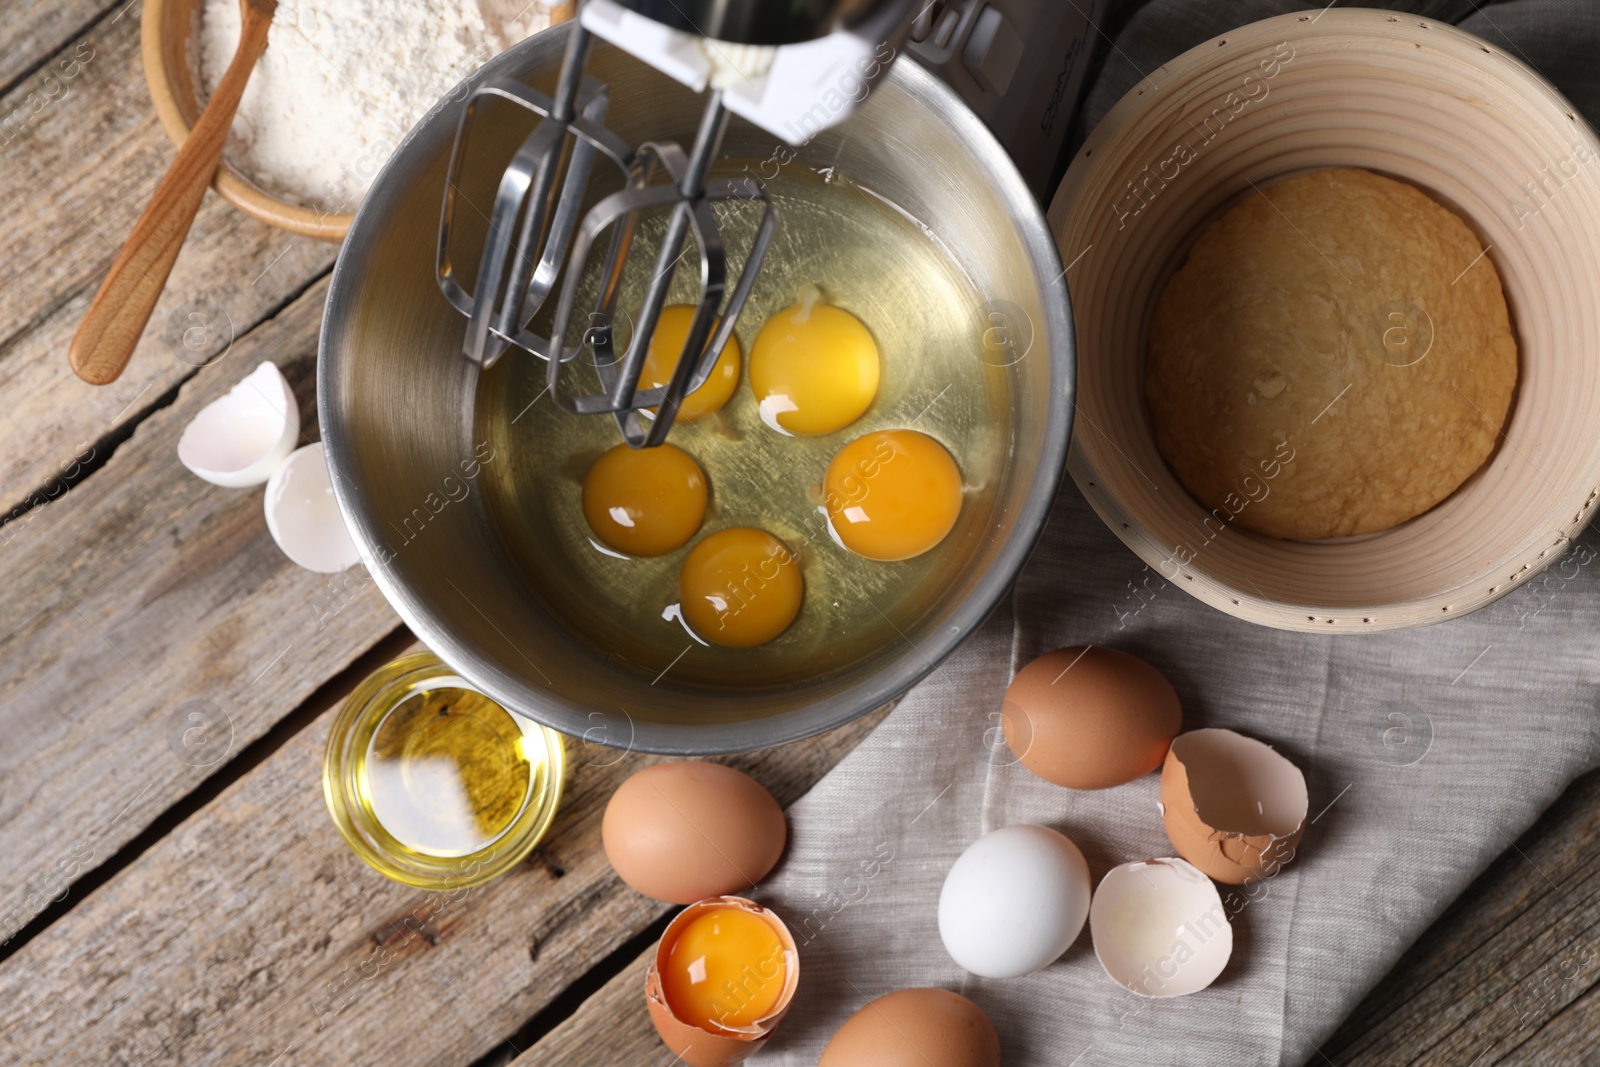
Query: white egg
point(1014, 901)
point(303, 516)
point(240, 438)
point(1159, 928)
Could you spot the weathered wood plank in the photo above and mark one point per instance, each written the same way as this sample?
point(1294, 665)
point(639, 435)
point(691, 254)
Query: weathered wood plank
point(1509, 973)
point(137, 592)
point(36, 29)
point(1571, 1037)
point(271, 940)
point(611, 1027)
point(73, 178)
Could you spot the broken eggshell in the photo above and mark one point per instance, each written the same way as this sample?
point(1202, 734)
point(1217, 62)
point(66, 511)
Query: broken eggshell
point(703, 1048)
point(1231, 805)
point(240, 438)
point(1159, 928)
point(303, 516)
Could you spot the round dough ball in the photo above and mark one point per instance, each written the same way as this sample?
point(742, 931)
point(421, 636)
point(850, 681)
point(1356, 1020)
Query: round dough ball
point(915, 1028)
point(1334, 358)
point(1089, 717)
point(681, 832)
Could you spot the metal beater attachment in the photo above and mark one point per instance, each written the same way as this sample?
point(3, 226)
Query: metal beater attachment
point(534, 229)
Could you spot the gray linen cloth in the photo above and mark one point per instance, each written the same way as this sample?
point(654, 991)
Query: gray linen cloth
point(1427, 753)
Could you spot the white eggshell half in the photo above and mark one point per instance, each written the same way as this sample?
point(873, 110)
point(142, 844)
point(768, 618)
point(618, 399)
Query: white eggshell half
point(303, 516)
point(1014, 901)
point(239, 439)
point(1159, 928)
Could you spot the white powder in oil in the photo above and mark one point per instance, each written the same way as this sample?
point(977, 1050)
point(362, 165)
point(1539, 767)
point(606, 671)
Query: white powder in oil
point(342, 81)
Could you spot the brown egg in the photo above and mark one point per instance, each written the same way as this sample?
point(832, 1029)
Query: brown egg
point(1231, 805)
point(696, 1045)
point(1089, 717)
point(915, 1028)
point(681, 832)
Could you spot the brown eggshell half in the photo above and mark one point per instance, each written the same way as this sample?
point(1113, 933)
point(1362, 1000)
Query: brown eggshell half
point(915, 1028)
point(1089, 717)
point(1231, 805)
point(702, 1048)
point(684, 831)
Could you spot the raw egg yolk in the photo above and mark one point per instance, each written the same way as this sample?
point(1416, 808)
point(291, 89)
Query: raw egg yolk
point(661, 358)
point(813, 367)
point(892, 495)
point(644, 501)
point(740, 587)
point(725, 970)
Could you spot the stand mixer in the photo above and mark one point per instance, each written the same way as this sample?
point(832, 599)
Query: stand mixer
point(490, 579)
point(778, 66)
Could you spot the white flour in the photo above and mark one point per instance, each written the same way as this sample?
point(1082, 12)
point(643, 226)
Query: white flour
point(342, 81)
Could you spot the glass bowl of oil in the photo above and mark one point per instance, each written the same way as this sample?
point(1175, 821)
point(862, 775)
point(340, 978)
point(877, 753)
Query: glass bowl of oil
point(434, 784)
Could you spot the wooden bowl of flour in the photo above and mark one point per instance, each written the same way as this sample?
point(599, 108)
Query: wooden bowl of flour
point(1418, 101)
point(170, 42)
point(168, 32)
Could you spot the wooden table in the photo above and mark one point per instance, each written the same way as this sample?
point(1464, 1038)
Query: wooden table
point(165, 902)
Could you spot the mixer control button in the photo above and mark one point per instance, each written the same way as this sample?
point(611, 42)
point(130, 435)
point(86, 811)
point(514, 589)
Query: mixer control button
point(992, 51)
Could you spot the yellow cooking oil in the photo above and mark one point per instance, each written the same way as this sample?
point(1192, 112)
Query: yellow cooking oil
point(435, 784)
point(864, 254)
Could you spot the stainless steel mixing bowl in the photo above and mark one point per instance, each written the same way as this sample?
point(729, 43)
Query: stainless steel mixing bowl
point(394, 396)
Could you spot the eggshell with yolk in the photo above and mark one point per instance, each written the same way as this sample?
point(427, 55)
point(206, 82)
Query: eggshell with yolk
point(702, 1048)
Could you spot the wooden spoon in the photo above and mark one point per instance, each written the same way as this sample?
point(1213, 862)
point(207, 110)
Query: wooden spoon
point(117, 317)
